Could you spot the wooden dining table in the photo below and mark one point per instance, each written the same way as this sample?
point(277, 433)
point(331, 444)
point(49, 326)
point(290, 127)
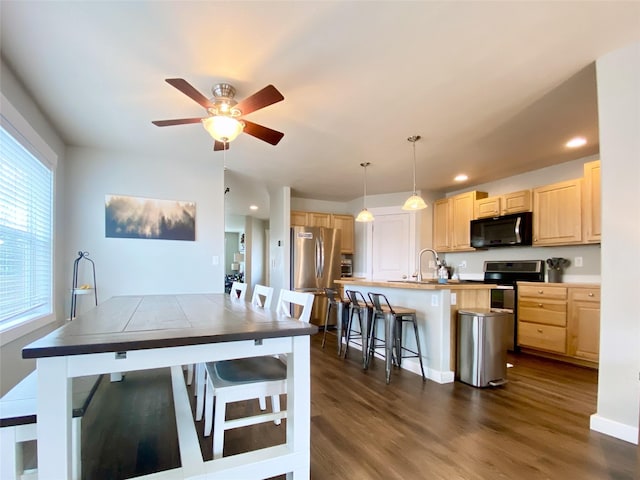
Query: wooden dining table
point(128, 333)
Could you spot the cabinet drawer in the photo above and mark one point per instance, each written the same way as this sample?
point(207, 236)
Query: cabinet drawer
point(544, 337)
point(547, 313)
point(585, 294)
point(548, 292)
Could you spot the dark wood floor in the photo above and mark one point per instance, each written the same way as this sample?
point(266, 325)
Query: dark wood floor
point(535, 427)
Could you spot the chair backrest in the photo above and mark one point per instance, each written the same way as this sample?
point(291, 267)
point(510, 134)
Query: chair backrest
point(262, 296)
point(289, 299)
point(238, 291)
point(377, 304)
point(357, 299)
point(332, 296)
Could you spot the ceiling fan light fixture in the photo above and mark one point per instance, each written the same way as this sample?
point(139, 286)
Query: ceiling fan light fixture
point(415, 201)
point(223, 128)
point(365, 215)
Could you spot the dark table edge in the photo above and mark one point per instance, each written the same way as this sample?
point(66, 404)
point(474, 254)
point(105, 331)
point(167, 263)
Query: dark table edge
point(33, 351)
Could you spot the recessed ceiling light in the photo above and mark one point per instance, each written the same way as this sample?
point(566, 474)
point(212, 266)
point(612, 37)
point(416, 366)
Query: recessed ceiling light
point(576, 142)
point(461, 178)
point(253, 207)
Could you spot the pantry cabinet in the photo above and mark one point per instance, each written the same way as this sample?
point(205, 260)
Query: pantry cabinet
point(560, 319)
point(344, 223)
point(441, 225)
point(591, 193)
point(557, 218)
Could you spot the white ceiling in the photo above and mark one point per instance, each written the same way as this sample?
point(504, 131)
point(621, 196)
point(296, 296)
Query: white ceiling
point(493, 88)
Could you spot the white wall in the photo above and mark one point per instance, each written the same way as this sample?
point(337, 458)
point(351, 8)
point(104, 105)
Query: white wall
point(141, 266)
point(279, 239)
point(255, 251)
point(618, 76)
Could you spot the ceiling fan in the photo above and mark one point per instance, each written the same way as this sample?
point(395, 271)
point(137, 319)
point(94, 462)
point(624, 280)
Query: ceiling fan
point(225, 121)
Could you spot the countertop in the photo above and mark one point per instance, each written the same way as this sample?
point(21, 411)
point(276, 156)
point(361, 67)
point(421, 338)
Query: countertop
point(414, 285)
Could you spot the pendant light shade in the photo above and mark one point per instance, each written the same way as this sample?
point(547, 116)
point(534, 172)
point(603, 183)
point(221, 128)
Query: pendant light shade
point(415, 201)
point(365, 215)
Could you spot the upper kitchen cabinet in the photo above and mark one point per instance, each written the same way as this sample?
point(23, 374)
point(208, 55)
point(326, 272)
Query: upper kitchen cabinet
point(591, 204)
point(557, 218)
point(344, 223)
point(298, 219)
point(451, 217)
point(516, 202)
point(506, 204)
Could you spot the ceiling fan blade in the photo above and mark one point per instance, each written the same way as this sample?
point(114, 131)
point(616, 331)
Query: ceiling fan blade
point(186, 88)
point(177, 121)
point(265, 97)
point(217, 146)
point(263, 133)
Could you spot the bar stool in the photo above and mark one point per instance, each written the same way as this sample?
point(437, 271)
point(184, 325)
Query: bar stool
point(393, 318)
point(359, 307)
point(341, 309)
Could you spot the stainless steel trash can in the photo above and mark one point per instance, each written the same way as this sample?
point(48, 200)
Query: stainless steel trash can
point(482, 354)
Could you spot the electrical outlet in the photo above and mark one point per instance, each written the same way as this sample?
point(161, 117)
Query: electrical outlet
point(454, 299)
point(577, 262)
point(462, 265)
point(434, 300)
point(432, 264)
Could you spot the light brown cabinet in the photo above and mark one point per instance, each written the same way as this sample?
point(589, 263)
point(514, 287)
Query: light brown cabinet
point(584, 323)
point(560, 319)
point(592, 211)
point(514, 202)
point(451, 219)
point(557, 218)
point(542, 317)
point(344, 223)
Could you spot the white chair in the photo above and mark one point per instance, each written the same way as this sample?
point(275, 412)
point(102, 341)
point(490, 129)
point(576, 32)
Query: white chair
point(248, 378)
point(238, 291)
point(262, 296)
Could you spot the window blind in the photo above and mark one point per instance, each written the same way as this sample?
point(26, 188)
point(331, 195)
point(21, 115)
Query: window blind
point(26, 210)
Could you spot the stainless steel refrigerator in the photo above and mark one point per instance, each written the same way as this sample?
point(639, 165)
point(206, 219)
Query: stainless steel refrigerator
point(315, 264)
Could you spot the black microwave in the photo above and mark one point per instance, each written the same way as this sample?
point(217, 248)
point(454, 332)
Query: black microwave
point(504, 231)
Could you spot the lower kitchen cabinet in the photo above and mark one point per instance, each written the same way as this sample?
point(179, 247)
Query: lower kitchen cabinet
point(560, 319)
point(584, 323)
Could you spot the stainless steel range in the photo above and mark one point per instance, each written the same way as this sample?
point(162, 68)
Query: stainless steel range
point(505, 274)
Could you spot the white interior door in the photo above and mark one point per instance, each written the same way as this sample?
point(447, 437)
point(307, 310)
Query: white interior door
point(392, 246)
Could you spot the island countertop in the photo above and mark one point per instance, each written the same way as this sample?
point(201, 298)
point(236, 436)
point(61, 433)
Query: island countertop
point(415, 285)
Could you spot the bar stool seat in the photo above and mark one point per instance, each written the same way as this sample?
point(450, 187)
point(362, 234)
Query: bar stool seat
point(393, 318)
point(341, 307)
point(358, 306)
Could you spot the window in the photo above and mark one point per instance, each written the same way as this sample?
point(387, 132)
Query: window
point(26, 210)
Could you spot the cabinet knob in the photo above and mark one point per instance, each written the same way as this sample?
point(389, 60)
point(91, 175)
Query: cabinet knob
point(590, 294)
point(540, 305)
point(539, 330)
point(540, 292)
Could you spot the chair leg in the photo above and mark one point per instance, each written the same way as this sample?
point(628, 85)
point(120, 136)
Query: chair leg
point(352, 312)
point(218, 430)
point(275, 407)
point(326, 321)
point(208, 408)
point(263, 403)
point(389, 323)
point(398, 342)
point(189, 373)
point(415, 329)
point(201, 381)
point(339, 314)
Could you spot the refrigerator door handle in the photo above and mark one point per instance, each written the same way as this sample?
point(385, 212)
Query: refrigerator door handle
point(318, 257)
point(321, 256)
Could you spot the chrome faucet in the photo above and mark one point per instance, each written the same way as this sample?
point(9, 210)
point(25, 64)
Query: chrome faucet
point(435, 256)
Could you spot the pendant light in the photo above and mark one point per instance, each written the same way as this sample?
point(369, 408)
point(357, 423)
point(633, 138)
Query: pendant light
point(414, 202)
point(365, 215)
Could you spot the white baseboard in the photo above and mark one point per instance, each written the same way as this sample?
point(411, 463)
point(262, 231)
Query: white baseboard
point(413, 365)
point(614, 429)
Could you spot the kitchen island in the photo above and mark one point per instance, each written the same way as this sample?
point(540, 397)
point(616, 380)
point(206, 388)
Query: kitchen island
point(436, 308)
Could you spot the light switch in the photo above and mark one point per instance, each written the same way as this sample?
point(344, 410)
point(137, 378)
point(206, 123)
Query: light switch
point(577, 262)
point(215, 260)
